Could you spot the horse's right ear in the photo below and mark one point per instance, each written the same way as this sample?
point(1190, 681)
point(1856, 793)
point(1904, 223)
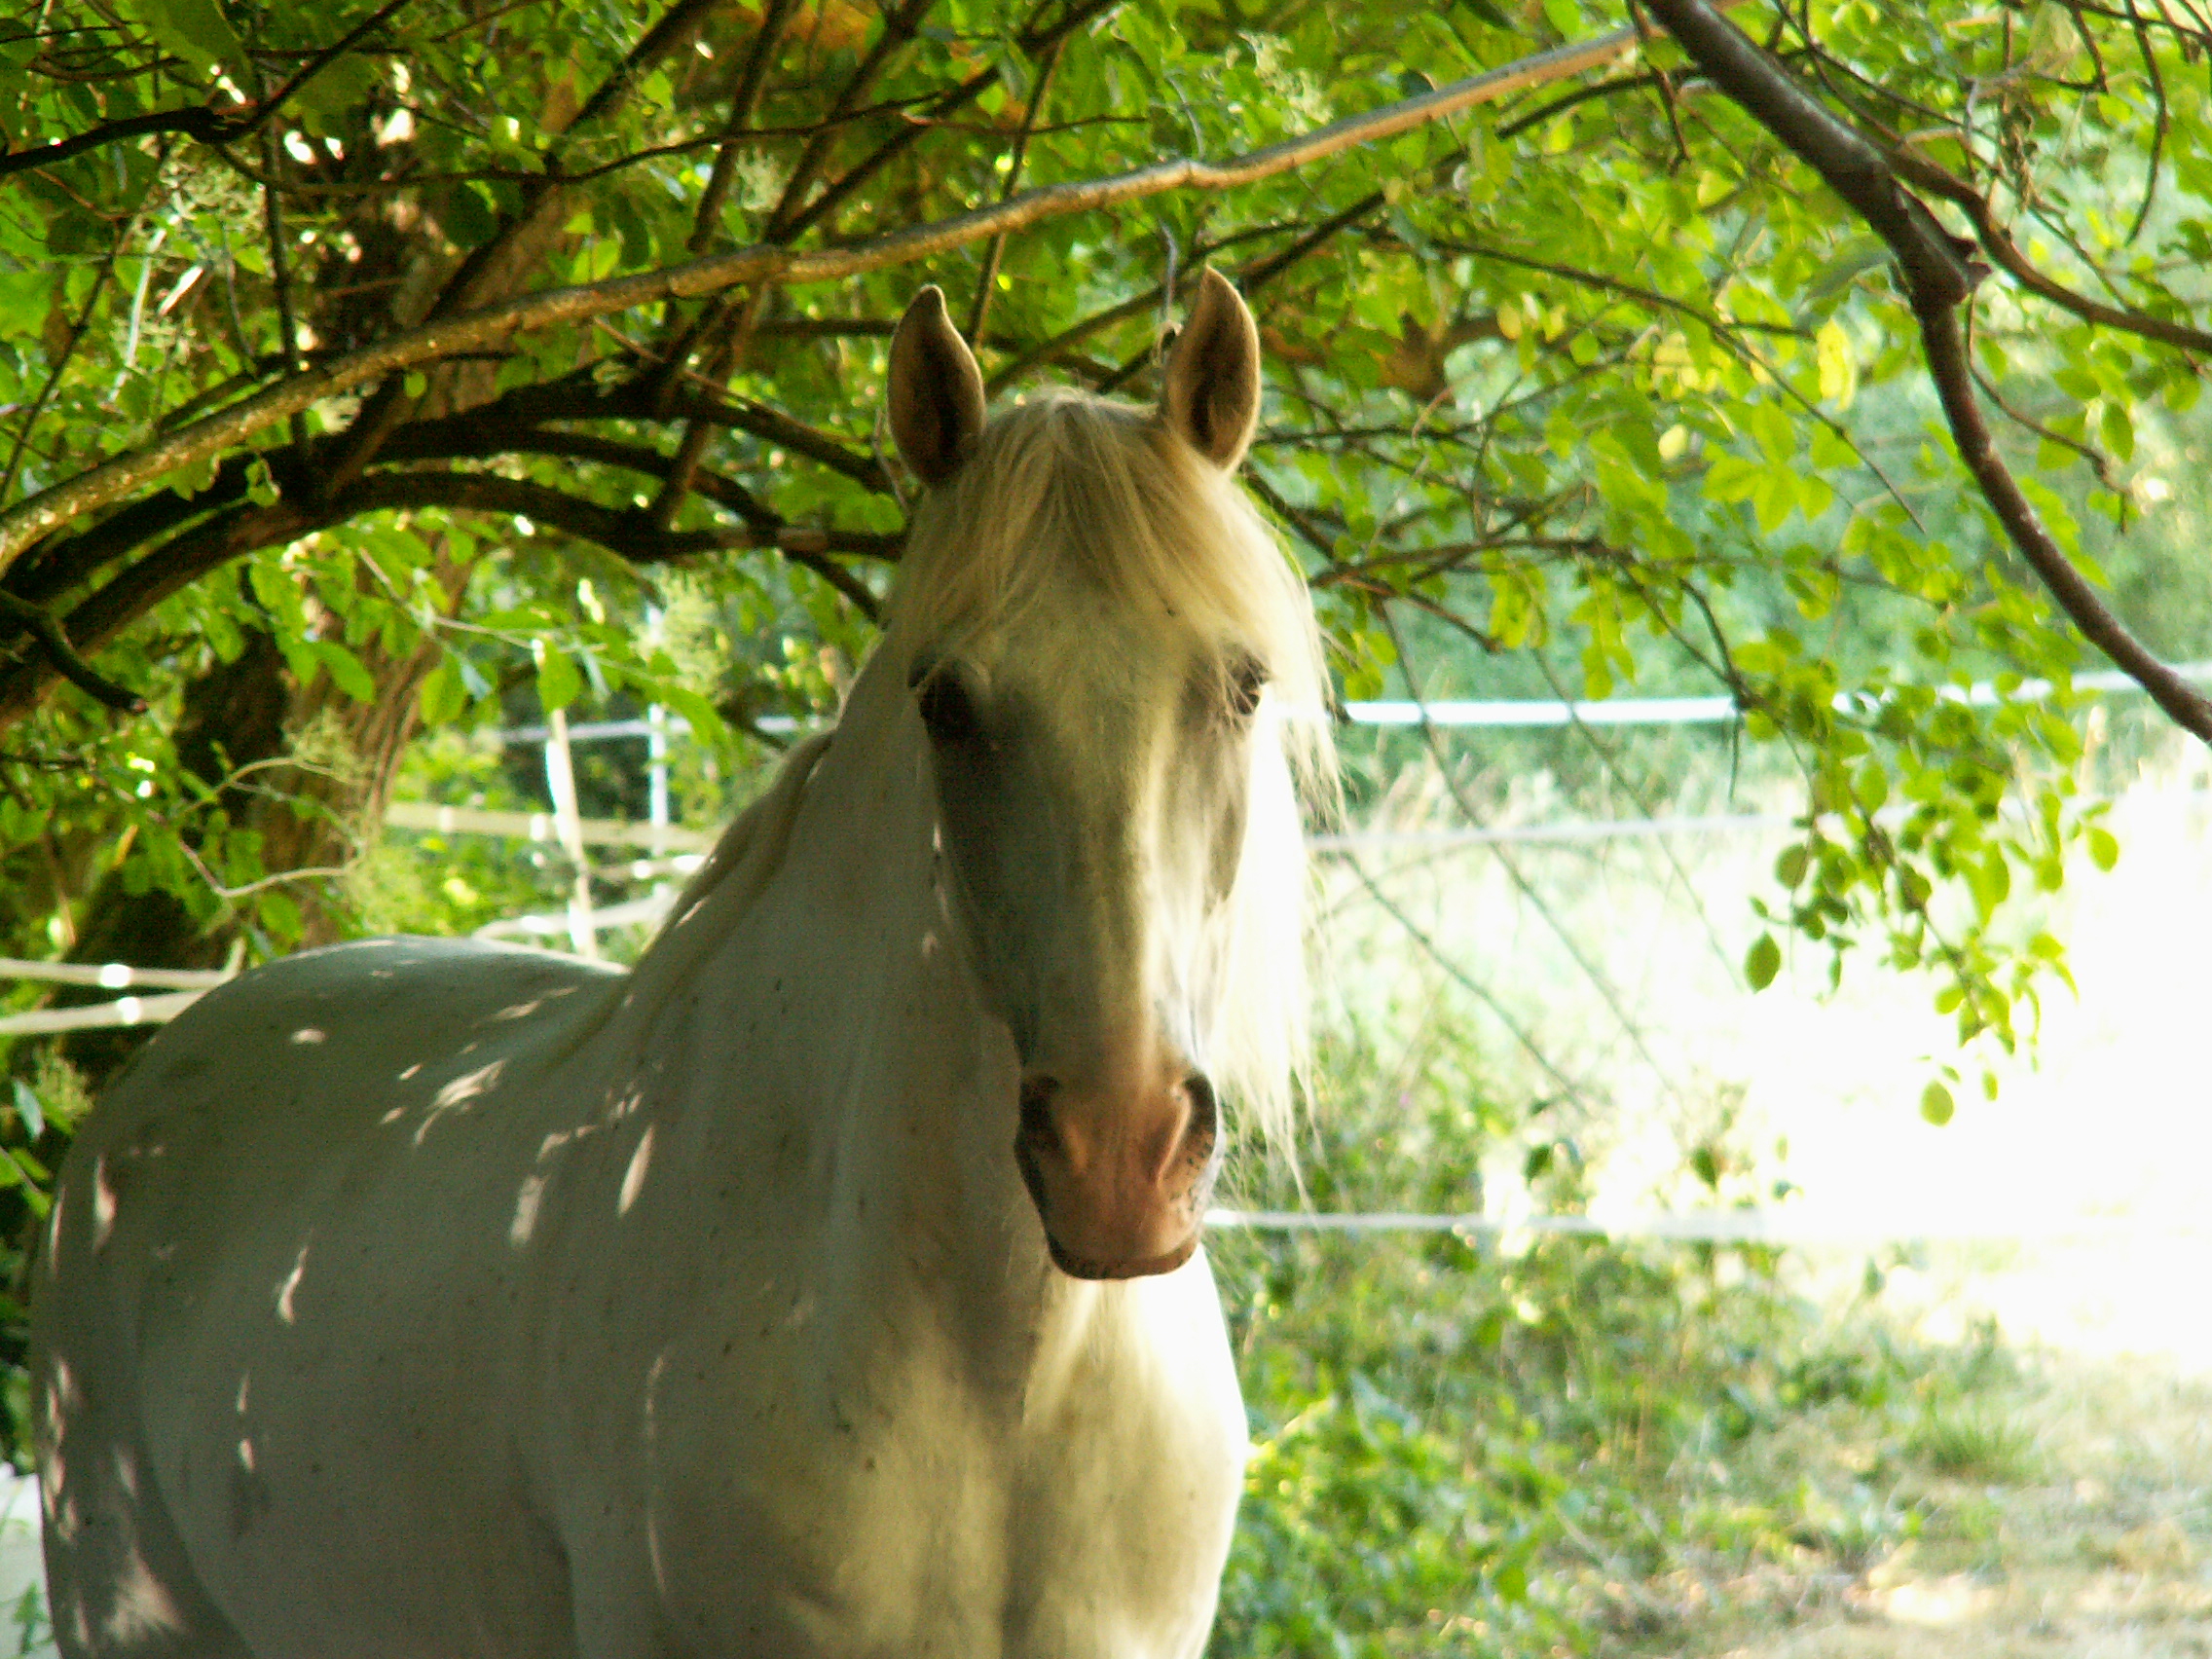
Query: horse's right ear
point(936, 393)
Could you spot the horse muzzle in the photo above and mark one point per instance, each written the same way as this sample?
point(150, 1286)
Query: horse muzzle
point(1121, 1175)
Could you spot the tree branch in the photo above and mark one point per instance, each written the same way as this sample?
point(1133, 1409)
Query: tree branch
point(979, 314)
point(207, 126)
point(899, 28)
point(1945, 341)
point(493, 324)
point(628, 532)
point(774, 427)
point(1937, 280)
point(1998, 243)
point(101, 281)
point(177, 562)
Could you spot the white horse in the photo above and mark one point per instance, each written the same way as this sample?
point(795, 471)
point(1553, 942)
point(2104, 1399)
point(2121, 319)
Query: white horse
point(424, 1300)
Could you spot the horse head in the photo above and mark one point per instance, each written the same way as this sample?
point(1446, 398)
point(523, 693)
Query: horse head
point(1090, 618)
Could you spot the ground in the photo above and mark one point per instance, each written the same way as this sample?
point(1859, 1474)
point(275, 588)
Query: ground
point(2096, 1546)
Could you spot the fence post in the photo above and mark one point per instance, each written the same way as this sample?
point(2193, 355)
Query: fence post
point(567, 826)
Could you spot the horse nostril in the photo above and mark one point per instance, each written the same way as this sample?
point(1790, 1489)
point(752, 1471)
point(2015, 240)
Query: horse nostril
point(1200, 1133)
point(1205, 1116)
point(1036, 1110)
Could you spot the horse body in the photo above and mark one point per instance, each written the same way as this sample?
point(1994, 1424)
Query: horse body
point(419, 1298)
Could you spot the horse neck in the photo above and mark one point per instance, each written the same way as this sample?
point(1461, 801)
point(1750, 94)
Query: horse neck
point(832, 1040)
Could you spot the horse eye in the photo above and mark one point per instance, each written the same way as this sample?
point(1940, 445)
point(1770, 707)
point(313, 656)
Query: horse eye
point(947, 709)
point(1246, 679)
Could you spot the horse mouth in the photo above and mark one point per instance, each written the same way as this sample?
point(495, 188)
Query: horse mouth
point(1081, 1266)
point(1078, 1267)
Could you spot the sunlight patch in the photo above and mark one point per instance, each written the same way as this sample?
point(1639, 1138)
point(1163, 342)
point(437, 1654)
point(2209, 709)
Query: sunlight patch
point(634, 1177)
point(103, 1204)
point(525, 1222)
point(142, 1607)
point(285, 1291)
point(457, 1094)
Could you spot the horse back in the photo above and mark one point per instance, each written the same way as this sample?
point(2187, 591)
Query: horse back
point(265, 1318)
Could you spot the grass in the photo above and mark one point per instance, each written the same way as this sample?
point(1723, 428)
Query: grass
point(1969, 1441)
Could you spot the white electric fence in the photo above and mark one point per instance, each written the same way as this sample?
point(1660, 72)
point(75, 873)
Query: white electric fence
point(1784, 1227)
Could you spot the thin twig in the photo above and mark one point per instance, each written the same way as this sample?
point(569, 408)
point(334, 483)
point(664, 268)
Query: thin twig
point(2158, 125)
point(978, 317)
point(281, 280)
point(54, 645)
point(742, 103)
point(207, 126)
point(1513, 872)
point(101, 281)
point(1481, 992)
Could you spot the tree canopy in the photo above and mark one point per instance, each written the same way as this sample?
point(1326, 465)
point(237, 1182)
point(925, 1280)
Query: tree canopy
point(362, 366)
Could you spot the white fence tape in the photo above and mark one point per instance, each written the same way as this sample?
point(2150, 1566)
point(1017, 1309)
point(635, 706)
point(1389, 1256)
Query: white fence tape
point(642, 912)
point(113, 976)
point(123, 1011)
point(429, 816)
point(1706, 1226)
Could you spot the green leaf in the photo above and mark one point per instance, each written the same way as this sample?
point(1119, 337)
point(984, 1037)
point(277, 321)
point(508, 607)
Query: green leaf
point(346, 671)
point(443, 695)
point(1775, 500)
point(24, 296)
point(558, 681)
point(1870, 786)
point(1935, 1104)
point(1511, 1583)
point(2119, 433)
point(279, 915)
point(704, 718)
point(2104, 846)
point(1776, 438)
point(27, 1108)
point(195, 31)
point(27, 1173)
point(1488, 13)
point(1763, 962)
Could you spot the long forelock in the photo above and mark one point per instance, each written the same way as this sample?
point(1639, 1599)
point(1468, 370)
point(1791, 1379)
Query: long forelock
point(1071, 479)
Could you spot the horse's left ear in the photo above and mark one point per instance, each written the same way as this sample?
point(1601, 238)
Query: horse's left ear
point(936, 392)
point(1211, 393)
